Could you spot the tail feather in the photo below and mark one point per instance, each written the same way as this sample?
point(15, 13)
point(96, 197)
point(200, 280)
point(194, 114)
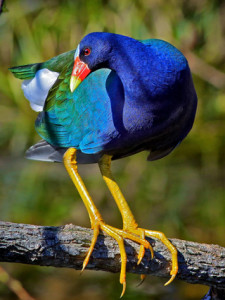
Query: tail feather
point(26, 71)
point(45, 152)
point(55, 64)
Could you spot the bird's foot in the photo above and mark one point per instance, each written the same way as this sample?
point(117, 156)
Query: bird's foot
point(137, 235)
point(119, 236)
point(161, 236)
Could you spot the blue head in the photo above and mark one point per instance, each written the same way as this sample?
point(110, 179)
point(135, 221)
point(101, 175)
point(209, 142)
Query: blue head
point(103, 50)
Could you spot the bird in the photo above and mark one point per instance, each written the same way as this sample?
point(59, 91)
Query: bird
point(111, 97)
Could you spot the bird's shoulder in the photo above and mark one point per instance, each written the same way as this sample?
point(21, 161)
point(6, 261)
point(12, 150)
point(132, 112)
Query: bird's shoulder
point(166, 53)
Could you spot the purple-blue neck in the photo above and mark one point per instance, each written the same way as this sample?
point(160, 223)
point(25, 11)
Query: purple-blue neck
point(132, 67)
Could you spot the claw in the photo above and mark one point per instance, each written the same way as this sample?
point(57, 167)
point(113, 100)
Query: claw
point(170, 280)
point(143, 276)
point(171, 248)
point(85, 262)
point(141, 254)
point(91, 248)
point(82, 270)
point(124, 289)
point(142, 247)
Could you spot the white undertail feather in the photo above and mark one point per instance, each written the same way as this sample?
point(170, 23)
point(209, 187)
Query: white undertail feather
point(36, 89)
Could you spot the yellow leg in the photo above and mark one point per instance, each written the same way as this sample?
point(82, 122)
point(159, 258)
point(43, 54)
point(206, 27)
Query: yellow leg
point(70, 163)
point(129, 223)
point(97, 222)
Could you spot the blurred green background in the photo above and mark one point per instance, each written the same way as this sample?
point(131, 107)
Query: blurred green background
point(182, 195)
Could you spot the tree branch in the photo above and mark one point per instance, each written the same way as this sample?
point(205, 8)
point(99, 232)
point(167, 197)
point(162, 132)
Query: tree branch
point(67, 245)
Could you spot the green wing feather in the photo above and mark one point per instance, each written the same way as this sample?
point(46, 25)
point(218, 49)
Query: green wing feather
point(55, 64)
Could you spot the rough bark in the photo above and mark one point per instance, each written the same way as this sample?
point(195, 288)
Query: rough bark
point(67, 245)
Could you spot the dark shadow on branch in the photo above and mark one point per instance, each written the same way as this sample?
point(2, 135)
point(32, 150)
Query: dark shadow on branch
point(66, 246)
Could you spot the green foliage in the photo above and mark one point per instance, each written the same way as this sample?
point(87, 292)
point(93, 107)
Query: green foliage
point(181, 195)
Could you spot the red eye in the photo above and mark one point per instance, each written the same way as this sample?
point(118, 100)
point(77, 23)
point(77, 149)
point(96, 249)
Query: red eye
point(87, 51)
